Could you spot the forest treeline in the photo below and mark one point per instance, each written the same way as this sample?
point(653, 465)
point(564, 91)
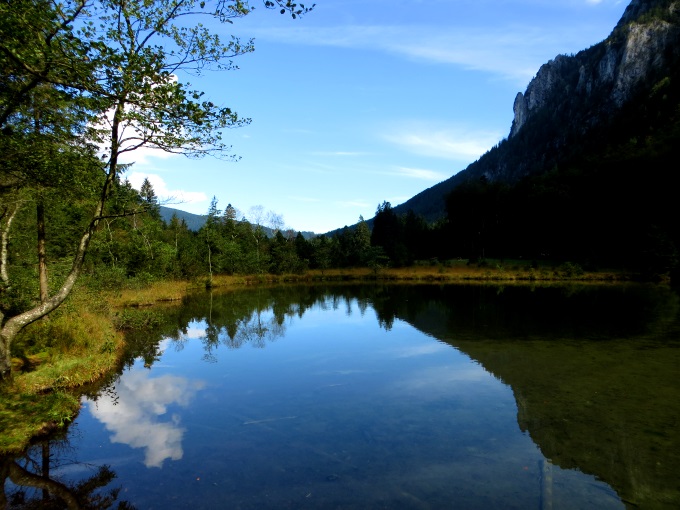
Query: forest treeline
point(583, 213)
point(78, 91)
point(589, 176)
point(608, 205)
point(82, 84)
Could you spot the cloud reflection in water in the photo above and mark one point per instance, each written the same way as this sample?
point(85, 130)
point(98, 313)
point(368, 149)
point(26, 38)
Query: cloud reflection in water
point(133, 414)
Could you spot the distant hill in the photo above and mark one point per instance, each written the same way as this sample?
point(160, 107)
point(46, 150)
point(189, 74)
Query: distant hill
point(196, 221)
point(193, 221)
point(623, 89)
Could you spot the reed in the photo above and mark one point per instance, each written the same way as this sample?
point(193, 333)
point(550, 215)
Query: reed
point(155, 292)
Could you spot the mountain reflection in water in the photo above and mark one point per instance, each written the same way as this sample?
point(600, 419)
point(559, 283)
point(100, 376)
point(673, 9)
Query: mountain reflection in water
point(334, 414)
point(595, 376)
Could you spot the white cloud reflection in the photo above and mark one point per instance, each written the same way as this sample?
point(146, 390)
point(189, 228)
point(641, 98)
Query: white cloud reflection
point(423, 350)
point(133, 414)
point(440, 379)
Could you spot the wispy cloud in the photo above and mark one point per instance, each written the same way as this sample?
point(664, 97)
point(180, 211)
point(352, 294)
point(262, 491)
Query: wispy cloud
point(443, 142)
point(419, 173)
point(513, 52)
point(163, 192)
point(436, 379)
point(339, 153)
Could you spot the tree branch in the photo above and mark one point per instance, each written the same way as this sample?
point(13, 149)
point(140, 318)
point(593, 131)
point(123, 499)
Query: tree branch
point(10, 213)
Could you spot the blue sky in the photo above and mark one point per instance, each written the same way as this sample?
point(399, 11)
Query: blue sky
point(363, 101)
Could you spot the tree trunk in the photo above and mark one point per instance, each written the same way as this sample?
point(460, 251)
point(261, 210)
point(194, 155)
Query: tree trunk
point(4, 241)
point(42, 251)
point(21, 476)
point(210, 281)
point(12, 326)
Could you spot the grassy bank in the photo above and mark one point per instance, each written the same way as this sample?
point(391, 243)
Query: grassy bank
point(458, 271)
point(82, 342)
point(77, 345)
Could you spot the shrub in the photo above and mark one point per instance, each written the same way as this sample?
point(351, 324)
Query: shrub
point(570, 270)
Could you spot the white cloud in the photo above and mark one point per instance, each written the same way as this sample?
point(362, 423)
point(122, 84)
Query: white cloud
point(133, 415)
point(145, 156)
point(421, 173)
point(165, 194)
point(340, 153)
point(441, 378)
point(129, 137)
point(195, 330)
point(444, 142)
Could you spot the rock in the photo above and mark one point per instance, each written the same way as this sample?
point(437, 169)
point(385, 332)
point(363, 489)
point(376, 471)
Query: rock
point(641, 46)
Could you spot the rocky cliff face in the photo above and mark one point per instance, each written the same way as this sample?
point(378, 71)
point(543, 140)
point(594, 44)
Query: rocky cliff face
point(580, 100)
point(605, 76)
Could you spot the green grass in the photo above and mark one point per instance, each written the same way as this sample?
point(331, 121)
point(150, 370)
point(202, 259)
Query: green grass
point(24, 416)
point(77, 345)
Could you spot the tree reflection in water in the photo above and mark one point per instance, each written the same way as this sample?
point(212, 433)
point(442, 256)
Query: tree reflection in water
point(593, 371)
point(29, 483)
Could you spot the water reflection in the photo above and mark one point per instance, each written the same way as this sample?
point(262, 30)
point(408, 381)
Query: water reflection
point(232, 321)
point(594, 372)
point(30, 482)
point(133, 412)
point(342, 413)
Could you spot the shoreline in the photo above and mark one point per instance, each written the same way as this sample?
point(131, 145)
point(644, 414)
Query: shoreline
point(44, 400)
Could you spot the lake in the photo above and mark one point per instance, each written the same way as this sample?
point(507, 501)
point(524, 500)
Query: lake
point(385, 396)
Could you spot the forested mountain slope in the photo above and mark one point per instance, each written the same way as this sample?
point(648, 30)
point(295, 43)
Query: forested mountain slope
point(194, 222)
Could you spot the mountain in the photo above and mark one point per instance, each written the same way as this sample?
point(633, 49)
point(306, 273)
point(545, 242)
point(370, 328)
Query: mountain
point(622, 90)
point(195, 221)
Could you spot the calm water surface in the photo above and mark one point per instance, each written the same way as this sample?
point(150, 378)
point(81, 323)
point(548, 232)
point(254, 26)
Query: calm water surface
point(392, 397)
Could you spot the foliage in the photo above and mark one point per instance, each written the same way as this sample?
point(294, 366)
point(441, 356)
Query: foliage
point(82, 84)
point(79, 76)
